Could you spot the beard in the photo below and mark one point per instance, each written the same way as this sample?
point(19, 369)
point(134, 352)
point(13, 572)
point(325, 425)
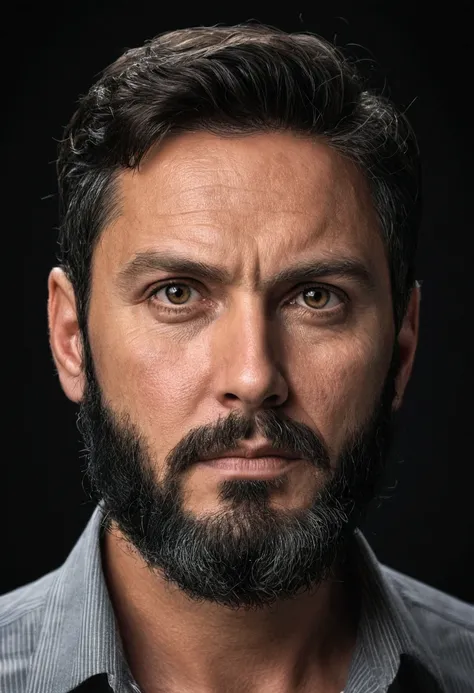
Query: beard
point(248, 554)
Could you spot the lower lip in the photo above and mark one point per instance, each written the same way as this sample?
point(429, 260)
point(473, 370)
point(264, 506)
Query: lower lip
point(261, 467)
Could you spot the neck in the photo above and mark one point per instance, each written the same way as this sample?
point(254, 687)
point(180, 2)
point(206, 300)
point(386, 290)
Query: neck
point(175, 644)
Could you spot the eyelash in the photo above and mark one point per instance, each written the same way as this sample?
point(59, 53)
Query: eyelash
point(188, 309)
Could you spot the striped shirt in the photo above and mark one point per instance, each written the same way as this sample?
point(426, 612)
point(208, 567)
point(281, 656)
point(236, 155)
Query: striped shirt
point(59, 633)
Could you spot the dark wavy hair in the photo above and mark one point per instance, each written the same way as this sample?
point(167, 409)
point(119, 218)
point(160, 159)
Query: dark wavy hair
point(233, 80)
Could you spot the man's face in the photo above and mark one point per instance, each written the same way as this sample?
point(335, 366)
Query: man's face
point(188, 364)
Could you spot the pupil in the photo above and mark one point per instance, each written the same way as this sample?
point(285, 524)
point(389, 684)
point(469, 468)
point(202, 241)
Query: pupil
point(176, 292)
point(317, 296)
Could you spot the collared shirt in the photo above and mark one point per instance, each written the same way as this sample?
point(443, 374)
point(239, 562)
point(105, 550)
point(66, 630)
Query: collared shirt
point(59, 633)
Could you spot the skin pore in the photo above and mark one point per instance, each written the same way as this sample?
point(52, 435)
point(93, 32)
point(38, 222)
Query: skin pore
point(243, 341)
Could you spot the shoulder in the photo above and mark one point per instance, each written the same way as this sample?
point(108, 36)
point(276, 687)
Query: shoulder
point(431, 606)
point(21, 617)
point(445, 623)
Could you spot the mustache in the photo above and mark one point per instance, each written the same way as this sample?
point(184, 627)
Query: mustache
point(278, 430)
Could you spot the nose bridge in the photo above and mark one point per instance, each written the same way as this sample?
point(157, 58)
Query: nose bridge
point(247, 355)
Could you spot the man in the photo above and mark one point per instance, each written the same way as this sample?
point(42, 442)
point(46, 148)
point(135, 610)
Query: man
point(236, 314)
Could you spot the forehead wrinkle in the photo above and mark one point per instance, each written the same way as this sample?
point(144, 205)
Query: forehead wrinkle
point(182, 175)
point(328, 208)
point(173, 169)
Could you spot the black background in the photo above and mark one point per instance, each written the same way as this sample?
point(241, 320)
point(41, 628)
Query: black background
point(50, 55)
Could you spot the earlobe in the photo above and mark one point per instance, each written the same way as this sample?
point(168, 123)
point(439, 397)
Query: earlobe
point(64, 334)
point(407, 342)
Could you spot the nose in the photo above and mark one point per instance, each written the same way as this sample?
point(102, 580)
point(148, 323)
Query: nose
point(249, 376)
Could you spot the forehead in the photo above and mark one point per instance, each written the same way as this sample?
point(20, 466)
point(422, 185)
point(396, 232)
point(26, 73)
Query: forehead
point(261, 198)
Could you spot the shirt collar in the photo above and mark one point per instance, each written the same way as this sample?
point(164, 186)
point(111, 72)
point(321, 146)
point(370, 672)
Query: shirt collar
point(388, 637)
point(79, 623)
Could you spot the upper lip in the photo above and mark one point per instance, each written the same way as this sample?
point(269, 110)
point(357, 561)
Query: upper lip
point(251, 452)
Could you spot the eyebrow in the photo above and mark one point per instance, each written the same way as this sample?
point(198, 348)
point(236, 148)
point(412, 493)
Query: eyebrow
point(147, 262)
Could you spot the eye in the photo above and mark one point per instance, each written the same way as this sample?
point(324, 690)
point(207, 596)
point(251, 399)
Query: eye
point(174, 294)
point(318, 298)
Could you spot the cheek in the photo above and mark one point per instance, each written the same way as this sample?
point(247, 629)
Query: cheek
point(338, 381)
point(152, 377)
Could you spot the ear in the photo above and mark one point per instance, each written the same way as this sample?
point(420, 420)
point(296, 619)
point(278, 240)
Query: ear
point(407, 341)
point(64, 334)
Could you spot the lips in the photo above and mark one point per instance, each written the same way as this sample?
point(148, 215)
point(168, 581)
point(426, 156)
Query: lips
point(264, 467)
